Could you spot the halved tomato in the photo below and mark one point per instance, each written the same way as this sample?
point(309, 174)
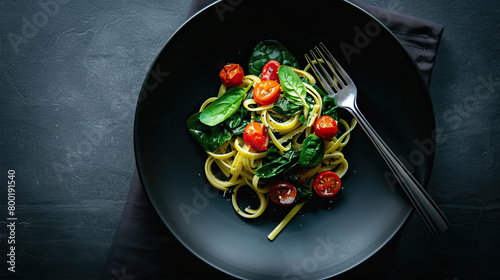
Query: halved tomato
point(256, 136)
point(327, 184)
point(266, 92)
point(283, 193)
point(270, 71)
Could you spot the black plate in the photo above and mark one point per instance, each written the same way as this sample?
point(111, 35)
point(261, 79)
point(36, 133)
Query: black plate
point(321, 241)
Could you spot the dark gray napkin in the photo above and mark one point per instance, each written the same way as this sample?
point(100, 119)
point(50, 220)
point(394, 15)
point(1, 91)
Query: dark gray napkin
point(144, 248)
point(420, 37)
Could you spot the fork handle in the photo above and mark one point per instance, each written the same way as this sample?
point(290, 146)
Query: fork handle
point(429, 211)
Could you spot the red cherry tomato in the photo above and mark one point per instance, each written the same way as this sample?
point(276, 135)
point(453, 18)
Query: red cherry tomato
point(231, 75)
point(326, 128)
point(266, 92)
point(282, 193)
point(256, 136)
point(270, 71)
point(327, 184)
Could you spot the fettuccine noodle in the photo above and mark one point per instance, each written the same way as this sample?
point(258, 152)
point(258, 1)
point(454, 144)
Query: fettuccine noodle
point(238, 162)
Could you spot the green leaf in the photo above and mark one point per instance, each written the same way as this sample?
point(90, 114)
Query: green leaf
point(224, 106)
point(286, 108)
point(292, 86)
point(279, 166)
point(312, 152)
point(272, 152)
point(310, 104)
point(237, 123)
point(209, 137)
point(330, 107)
point(269, 50)
point(303, 193)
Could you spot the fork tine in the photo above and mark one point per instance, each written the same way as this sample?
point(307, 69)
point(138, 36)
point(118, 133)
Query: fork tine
point(345, 81)
point(331, 82)
point(320, 76)
point(333, 69)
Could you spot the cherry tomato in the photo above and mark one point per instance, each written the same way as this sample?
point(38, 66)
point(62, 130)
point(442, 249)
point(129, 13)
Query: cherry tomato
point(282, 193)
point(326, 128)
point(327, 184)
point(256, 136)
point(270, 71)
point(231, 75)
point(266, 92)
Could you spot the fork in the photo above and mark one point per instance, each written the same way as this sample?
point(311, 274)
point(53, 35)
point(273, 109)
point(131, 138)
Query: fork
point(345, 93)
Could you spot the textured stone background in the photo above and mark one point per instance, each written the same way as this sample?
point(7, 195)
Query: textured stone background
point(70, 73)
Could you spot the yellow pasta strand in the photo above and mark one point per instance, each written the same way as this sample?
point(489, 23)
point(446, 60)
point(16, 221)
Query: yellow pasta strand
point(283, 127)
point(304, 73)
point(222, 90)
point(277, 143)
point(206, 103)
point(238, 162)
point(285, 221)
point(249, 102)
point(252, 213)
point(246, 153)
point(220, 184)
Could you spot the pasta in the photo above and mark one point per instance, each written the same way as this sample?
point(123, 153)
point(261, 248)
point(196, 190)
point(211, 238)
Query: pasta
point(237, 163)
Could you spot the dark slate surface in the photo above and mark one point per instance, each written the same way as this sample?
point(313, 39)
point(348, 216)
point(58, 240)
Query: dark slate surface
point(70, 72)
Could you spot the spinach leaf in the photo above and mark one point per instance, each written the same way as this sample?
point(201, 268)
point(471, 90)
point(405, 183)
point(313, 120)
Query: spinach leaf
point(238, 121)
point(292, 86)
point(272, 152)
point(269, 50)
point(279, 166)
point(224, 106)
point(286, 108)
point(312, 152)
point(330, 107)
point(209, 137)
point(310, 104)
point(303, 193)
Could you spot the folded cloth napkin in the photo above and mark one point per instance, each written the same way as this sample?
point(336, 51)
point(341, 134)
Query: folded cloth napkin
point(144, 248)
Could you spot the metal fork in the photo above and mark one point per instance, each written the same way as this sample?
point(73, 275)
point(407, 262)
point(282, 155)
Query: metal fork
point(345, 93)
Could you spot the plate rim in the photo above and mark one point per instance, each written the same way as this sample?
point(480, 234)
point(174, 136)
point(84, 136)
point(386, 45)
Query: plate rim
point(397, 227)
